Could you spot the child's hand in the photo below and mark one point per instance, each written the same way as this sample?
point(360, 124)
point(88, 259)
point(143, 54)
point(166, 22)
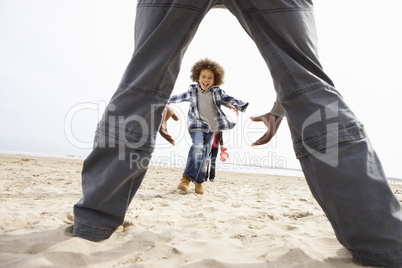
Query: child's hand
point(234, 108)
point(167, 113)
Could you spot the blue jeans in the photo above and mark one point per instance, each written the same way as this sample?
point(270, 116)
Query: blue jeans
point(197, 160)
point(339, 163)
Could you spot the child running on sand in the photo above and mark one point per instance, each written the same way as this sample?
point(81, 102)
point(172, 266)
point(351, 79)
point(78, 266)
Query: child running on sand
point(205, 117)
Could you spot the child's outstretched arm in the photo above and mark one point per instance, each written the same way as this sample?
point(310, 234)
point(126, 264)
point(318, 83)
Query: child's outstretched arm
point(234, 108)
point(233, 103)
point(185, 96)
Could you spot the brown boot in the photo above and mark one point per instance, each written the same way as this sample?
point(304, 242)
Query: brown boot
point(184, 183)
point(198, 188)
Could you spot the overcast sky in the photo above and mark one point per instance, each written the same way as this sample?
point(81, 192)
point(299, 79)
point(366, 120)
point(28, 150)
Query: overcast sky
point(61, 61)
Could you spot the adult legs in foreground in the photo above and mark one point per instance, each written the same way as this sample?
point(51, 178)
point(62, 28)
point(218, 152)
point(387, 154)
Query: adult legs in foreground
point(125, 136)
point(339, 163)
point(337, 159)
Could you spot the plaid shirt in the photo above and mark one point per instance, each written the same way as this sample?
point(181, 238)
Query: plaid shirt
point(219, 96)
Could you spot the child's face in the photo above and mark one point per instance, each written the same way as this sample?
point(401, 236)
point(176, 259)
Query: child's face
point(206, 79)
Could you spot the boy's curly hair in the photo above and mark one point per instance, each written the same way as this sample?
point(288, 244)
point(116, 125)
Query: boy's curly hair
point(211, 65)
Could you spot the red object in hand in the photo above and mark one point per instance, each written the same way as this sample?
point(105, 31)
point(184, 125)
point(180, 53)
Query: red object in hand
point(224, 155)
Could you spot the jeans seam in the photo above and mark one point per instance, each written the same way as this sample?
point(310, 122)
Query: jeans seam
point(169, 6)
point(342, 136)
point(302, 91)
point(146, 91)
point(128, 195)
point(340, 131)
point(180, 46)
point(267, 43)
point(365, 258)
point(95, 232)
point(134, 137)
point(279, 10)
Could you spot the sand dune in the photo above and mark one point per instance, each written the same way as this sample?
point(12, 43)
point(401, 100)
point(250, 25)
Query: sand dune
point(242, 220)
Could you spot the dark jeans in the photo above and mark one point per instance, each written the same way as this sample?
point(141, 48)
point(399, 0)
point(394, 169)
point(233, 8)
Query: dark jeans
point(211, 173)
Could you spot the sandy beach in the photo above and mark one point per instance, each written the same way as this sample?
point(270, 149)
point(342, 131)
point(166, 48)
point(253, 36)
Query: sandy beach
point(242, 220)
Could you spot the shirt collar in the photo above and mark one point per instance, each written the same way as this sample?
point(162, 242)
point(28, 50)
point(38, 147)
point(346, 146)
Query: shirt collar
point(199, 89)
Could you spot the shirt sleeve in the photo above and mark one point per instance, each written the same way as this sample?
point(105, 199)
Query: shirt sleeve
point(240, 105)
point(180, 97)
point(277, 108)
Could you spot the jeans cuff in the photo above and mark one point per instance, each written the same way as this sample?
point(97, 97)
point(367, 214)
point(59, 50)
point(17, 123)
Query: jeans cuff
point(91, 233)
point(391, 259)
